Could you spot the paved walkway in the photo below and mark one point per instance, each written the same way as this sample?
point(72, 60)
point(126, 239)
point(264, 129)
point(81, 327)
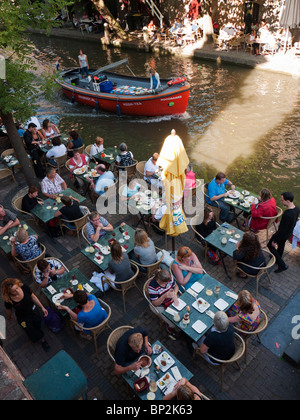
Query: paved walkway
point(263, 376)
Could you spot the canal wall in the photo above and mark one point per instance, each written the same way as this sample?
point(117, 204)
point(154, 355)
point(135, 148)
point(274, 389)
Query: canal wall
point(281, 63)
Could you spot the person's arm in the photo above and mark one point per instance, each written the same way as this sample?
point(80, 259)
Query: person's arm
point(179, 276)
point(7, 226)
point(120, 370)
point(64, 185)
point(13, 245)
point(72, 314)
point(38, 303)
point(233, 319)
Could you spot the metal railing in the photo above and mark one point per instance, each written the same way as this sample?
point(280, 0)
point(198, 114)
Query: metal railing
point(155, 11)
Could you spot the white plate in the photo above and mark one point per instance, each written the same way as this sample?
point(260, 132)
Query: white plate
point(245, 193)
point(80, 171)
point(201, 308)
point(105, 250)
point(167, 381)
point(199, 326)
point(57, 299)
point(236, 194)
point(121, 241)
point(181, 305)
point(5, 238)
point(221, 304)
point(55, 208)
point(127, 237)
point(169, 361)
point(197, 287)
point(147, 208)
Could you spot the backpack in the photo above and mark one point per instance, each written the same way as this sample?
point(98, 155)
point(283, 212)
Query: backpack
point(53, 321)
point(213, 258)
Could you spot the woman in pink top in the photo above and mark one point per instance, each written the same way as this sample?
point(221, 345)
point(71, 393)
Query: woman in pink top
point(190, 181)
point(265, 208)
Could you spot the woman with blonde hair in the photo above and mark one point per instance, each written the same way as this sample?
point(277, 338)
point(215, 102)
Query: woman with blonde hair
point(19, 297)
point(187, 268)
point(184, 391)
point(25, 247)
point(246, 312)
point(144, 252)
point(97, 147)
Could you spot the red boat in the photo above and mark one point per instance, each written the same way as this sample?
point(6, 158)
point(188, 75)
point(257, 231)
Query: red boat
point(128, 95)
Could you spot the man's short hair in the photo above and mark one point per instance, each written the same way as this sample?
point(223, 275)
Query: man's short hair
point(288, 196)
point(32, 125)
point(33, 189)
point(220, 176)
point(101, 167)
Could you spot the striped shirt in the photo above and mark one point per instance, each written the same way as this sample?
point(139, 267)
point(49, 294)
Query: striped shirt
point(156, 291)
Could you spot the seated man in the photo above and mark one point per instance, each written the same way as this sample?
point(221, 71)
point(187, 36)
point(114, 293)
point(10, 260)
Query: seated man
point(53, 184)
point(56, 151)
point(216, 192)
point(8, 220)
point(219, 340)
point(30, 200)
point(106, 179)
point(130, 346)
point(97, 227)
point(48, 271)
point(70, 210)
point(149, 171)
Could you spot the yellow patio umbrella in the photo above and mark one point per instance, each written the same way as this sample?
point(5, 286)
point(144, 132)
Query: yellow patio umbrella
point(174, 160)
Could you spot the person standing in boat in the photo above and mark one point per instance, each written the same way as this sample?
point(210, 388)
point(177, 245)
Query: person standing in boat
point(83, 63)
point(154, 79)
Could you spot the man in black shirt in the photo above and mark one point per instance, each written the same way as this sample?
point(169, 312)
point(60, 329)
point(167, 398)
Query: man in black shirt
point(30, 200)
point(70, 210)
point(288, 221)
point(32, 145)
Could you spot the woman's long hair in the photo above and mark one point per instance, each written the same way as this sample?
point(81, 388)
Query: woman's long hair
point(250, 243)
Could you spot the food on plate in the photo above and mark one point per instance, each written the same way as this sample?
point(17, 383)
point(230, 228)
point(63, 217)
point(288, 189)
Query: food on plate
point(163, 363)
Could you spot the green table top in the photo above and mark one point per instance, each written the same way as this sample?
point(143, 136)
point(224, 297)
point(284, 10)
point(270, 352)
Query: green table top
point(5, 243)
point(150, 204)
point(45, 147)
point(44, 214)
point(131, 377)
point(229, 232)
point(209, 283)
point(234, 203)
point(64, 282)
point(104, 241)
point(92, 165)
point(108, 151)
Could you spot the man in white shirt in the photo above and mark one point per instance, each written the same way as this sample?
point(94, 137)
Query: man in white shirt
point(150, 168)
point(57, 150)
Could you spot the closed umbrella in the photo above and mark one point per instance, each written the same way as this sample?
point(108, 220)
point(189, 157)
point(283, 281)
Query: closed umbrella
point(174, 160)
point(289, 16)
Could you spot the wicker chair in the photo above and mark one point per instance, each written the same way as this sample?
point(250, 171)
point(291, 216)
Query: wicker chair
point(7, 152)
point(24, 265)
point(151, 306)
point(271, 221)
point(197, 220)
point(96, 331)
point(130, 170)
point(83, 233)
point(4, 173)
point(114, 337)
point(87, 151)
point(151, 267)
point(79, 149)
point(247, 334)
point(124, 286)
point(17, 205)
point(216, 210)
point(260, 271)
point(60, 162)
point(140, 169)
point(79, 224)
point(240, 348)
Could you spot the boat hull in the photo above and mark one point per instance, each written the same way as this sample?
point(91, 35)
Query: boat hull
point(171, 101)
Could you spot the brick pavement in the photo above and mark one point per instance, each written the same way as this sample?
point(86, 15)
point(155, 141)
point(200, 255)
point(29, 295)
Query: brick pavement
point(264, 376)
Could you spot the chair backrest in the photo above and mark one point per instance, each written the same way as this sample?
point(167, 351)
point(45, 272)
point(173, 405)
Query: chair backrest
point(47, 259)
point(88, 149)
point(261, 327)
point(140, 169)
point(147, 297)
point(31, 263)
point(7, 152)
point(79, 223)
point(83, 232)
point(61, 160)
point(101, 327)
point(114, 338)
point(197, 220)
point(79, 149)
point(4, 173)
point(131, 170)
point(240, 348)
point(112, 190)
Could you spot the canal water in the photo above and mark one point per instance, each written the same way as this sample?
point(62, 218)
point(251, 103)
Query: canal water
point(241, 121)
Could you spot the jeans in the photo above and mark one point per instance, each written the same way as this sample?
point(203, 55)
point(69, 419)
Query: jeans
point(277, 252)
point(225, 215)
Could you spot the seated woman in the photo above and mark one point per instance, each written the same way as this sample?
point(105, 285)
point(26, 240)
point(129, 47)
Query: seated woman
point(131, 190)
point(187, 268)
point(219, 340)
point(245, 313)
point(144, 252)
point(207, 226)
point(97, 147)
point(266, 207)
point(74, 142)
point(27, 247)
point(249, 251)
point(48, 271)
point(76, 162)
point(119, 266)
point(49, 129)
point(125, 158)
point(163, 292)
point(91, 314)
point(184, 391)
